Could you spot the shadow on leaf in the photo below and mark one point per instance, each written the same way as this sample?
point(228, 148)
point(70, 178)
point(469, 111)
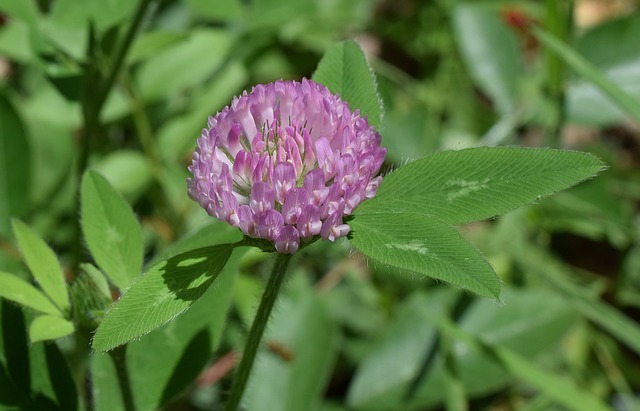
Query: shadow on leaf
point(166, 290)
point(189, 275)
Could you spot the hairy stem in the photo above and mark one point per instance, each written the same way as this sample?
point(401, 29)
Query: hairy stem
point(269, 297)
point(118, 356)
point(120, 53)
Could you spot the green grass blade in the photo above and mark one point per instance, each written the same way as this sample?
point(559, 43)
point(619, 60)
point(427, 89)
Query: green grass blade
point(585, 69)
point(562, 390)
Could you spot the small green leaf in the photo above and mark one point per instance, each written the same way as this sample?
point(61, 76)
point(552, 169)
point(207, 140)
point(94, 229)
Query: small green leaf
point(17, 290)
point(496, 69)
point(474, 184)
point(15, 168)
point(111, 230)
point(48, 327)
point(424, 245)
point(166, 290)
point(43, 263)
point(344, 70)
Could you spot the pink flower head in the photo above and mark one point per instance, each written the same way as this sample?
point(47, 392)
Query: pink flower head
point(286, 163)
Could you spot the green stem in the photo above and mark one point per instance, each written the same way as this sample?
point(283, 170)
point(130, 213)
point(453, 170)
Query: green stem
point(118, 356)
point(257, 329)
point(558, 16)
point(120, 54)
point(96, 92)
point(142, 125)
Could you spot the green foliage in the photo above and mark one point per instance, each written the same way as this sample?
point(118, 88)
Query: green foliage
point(200, 55)
point(14, 166)
point(292, 370)
point(407, 224)
point(497, 70)
point(24, 384)
point(576, 62)
point(588, 104)
point(425, 246)
point(100, 106)
point(49, 327)
point(377, 387)
point(468, 185)
point(111, 230)
point(16, 289)
point(43, 264)
point(164, 291)
point(163, 363)
point(345, 71)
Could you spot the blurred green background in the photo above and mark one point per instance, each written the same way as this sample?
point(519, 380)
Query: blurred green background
point(347, 335)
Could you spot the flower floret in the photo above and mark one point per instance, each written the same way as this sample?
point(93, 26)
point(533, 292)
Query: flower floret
point(285, 163)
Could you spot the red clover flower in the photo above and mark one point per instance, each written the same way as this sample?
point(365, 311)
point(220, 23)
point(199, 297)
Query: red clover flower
point(286, 163)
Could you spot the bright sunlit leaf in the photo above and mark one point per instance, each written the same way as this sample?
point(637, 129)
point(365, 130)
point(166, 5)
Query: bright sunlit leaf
point(48, 327)
point(17, 290)
point(43, 263)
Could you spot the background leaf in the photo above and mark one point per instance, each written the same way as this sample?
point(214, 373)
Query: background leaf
point(201, 54)
point(43, 263)
point(406, 369)
point(586, 104)
point(388, 369)
point(111, 230)
point(582, 67)
point(344, 70)
point(607, 317)
point(48, 327)
point(496, 70)
point(15, 166)
point(17, 290)
point(217, 10)
point(560, 389)
point(474, 184)
point(128, 172)
point(164, 291)
point(425, 246)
